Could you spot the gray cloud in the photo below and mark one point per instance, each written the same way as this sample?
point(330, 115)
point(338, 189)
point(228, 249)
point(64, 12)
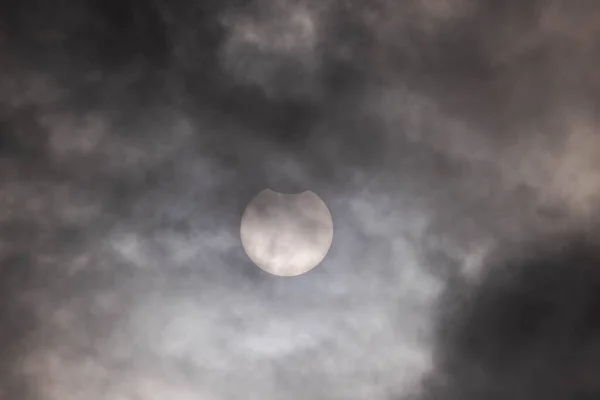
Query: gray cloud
point(276, 49)
point(444, 136)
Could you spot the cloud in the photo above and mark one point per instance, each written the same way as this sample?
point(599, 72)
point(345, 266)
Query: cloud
point(275, 48)
point(444, 136)
point(525, 329)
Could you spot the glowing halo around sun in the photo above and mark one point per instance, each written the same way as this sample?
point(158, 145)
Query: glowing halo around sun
point(286, 234)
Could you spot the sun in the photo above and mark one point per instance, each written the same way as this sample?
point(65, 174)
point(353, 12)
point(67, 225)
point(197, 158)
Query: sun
point(286, 234)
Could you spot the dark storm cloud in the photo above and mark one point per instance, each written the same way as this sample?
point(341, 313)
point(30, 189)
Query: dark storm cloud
point(527, 330)
point(134, 133)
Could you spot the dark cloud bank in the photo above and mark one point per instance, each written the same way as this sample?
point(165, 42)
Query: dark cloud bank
point(454, 141)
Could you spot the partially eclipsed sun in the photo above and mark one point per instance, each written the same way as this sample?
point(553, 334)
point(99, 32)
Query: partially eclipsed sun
point(286, 234)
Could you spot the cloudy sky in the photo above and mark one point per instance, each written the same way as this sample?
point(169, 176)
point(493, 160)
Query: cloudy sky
point(454, 141)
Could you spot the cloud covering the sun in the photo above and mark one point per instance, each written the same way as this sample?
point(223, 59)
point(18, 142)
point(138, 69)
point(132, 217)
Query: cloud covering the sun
point(436, 132)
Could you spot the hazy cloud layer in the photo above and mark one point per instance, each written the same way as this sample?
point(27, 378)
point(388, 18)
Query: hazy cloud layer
point(446, 137)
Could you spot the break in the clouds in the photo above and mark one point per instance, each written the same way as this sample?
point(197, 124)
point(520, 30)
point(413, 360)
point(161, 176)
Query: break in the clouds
point(448, 139)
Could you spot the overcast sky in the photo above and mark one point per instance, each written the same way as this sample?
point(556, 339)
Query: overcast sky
point(454, 141)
